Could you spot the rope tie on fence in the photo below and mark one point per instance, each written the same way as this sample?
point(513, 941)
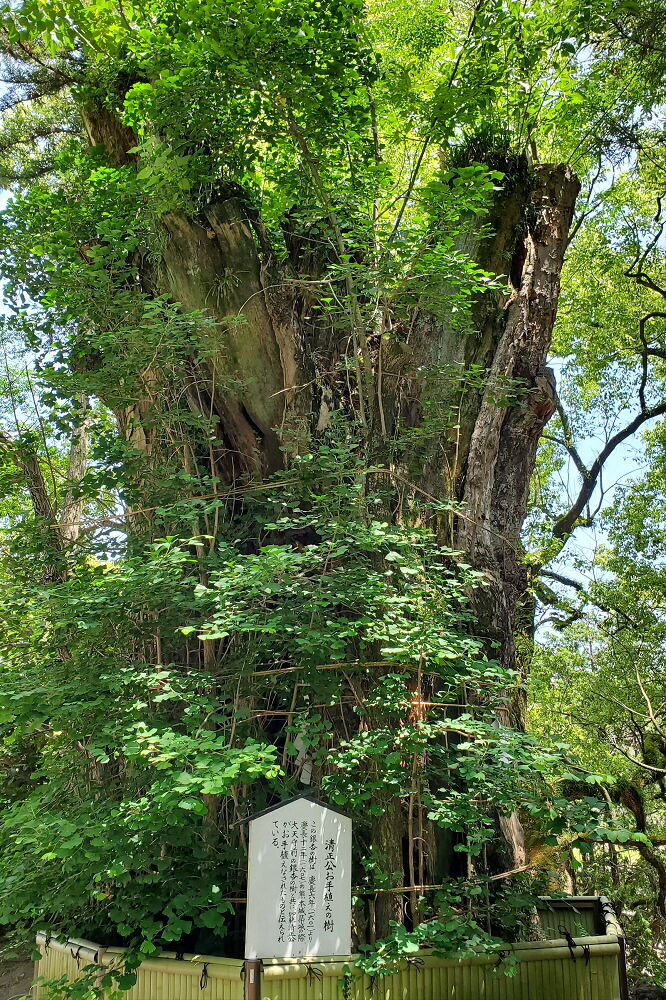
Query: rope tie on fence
point(180, 956)
point(47, 943)
point(569, 940)
point(76, 955)
point(586, 953)
point(312, 974)
point(203, 981)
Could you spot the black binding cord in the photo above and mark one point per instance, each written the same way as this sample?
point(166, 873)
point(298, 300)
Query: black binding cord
point(203, 981)
point(312, 974)
point(569, 940)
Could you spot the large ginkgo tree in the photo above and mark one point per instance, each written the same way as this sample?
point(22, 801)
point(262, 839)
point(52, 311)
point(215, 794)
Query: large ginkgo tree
point(281, 279)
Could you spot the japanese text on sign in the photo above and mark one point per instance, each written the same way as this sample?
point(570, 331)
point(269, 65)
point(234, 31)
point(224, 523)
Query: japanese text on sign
point(299, 884)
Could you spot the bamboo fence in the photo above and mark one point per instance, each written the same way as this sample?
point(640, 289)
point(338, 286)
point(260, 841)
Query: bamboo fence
point(585, 961)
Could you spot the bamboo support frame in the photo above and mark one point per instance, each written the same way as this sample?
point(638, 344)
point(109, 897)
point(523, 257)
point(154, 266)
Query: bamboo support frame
point(545, 969)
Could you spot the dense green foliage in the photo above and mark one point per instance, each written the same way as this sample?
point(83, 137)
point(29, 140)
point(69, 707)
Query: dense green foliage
point(182, 634)
point(598, 679)
point(147, 746)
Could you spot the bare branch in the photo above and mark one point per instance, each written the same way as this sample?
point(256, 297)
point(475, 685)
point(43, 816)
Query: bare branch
point(647, 351)
point(591, 209)
point(635, 269)
point(566, 580)
point(568, 441)
point(565, 524)
point(649, 704)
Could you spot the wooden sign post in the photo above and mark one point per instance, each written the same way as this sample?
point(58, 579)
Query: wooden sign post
point(299, 884)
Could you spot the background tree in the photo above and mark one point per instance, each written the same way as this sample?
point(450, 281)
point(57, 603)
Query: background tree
point(598, 679)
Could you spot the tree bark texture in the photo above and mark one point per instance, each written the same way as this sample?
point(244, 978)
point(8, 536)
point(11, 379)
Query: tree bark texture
point(274, 368)
point(272, 377)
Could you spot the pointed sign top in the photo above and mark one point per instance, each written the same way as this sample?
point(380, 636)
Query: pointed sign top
point(309, 796)
point(299, 881)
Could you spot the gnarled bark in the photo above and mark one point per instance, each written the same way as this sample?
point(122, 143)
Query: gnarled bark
point(503, 443)
point(267, 375)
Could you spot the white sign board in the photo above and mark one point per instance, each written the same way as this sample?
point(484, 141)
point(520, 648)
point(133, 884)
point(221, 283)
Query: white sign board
point(299, 882)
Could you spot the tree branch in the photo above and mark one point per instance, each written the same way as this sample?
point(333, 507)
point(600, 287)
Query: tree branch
point(28, 461)
point(565, 524)
point(568, 441)
point(635, 269)
point(62, 530)
point(634, 803)
point(548, 596)
point(567, 581)
point(647, 351)
point(70, 518)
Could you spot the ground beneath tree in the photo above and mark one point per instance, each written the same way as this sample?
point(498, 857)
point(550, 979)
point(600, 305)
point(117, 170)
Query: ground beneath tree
point(16, 977)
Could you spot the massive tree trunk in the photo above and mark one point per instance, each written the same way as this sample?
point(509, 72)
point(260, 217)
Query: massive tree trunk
point(268, 377)
point(282, 360)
